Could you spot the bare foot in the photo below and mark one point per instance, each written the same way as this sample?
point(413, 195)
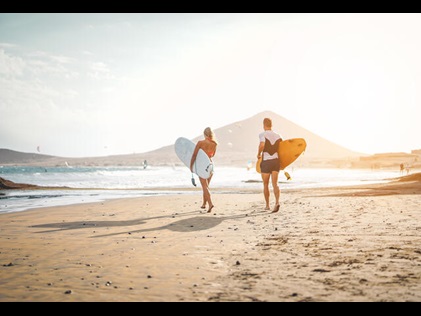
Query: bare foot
point(210, 208)
point(276, 209)
point(267, 208)
point(203, 206)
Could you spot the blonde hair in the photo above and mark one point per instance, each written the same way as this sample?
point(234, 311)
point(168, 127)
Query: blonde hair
point(208, 132)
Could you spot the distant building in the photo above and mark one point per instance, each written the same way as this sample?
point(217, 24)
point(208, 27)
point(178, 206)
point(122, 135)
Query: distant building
point(389, 156)
point(389, 160)
point(416, 152)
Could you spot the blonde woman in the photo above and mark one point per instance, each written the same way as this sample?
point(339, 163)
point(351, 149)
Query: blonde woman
point(208, 145)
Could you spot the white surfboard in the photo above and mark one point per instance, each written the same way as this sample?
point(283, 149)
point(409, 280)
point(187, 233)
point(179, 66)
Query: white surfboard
point(184, 149)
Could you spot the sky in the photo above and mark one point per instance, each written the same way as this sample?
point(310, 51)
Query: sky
point(98, 84)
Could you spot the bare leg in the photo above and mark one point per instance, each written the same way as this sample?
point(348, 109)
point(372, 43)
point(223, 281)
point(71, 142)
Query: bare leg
point(265, 178)
point(276, 190)
point(206, 193)
point(205, 199)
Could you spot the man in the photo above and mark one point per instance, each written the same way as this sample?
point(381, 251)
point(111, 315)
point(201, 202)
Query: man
point(268, 150)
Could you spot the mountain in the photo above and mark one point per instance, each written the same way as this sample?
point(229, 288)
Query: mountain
point(238, 144)
point(8, 156)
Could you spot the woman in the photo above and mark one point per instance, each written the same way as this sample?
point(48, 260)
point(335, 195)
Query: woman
point(208, 145)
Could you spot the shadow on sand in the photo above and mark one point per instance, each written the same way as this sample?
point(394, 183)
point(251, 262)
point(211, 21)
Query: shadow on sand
point(195, 223)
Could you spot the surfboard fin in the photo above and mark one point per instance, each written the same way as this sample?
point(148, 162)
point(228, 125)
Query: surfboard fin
point(192, 180)
point(287, 175)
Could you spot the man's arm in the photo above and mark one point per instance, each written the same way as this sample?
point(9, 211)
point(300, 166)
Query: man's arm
point(260, 149)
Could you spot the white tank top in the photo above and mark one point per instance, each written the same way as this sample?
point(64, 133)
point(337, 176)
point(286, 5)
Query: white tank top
point(272, 137)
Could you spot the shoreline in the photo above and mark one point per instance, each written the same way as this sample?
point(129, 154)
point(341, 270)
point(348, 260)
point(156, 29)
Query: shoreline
point(20, 200)
point(358, 243)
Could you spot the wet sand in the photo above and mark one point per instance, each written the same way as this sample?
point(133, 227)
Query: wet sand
point(325, 245)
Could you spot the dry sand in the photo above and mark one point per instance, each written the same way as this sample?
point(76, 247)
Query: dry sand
point(334, 245)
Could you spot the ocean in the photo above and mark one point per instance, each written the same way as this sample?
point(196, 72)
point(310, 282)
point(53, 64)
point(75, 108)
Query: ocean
point(95, 184)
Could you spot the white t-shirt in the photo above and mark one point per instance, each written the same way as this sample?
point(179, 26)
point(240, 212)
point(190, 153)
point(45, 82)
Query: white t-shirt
point(272, 137)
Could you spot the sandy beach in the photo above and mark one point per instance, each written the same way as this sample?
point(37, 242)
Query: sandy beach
point(324, 245)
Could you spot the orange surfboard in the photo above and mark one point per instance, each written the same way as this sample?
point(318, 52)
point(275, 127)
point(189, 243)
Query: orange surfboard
point(289, 150)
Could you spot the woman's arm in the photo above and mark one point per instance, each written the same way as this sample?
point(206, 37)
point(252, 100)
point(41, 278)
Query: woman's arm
point(193, 157)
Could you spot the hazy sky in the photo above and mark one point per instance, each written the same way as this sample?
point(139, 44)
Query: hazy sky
point(99, 84)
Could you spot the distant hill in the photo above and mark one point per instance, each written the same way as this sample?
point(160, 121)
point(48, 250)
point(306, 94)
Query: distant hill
point(238, 144)
point(8, 156)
